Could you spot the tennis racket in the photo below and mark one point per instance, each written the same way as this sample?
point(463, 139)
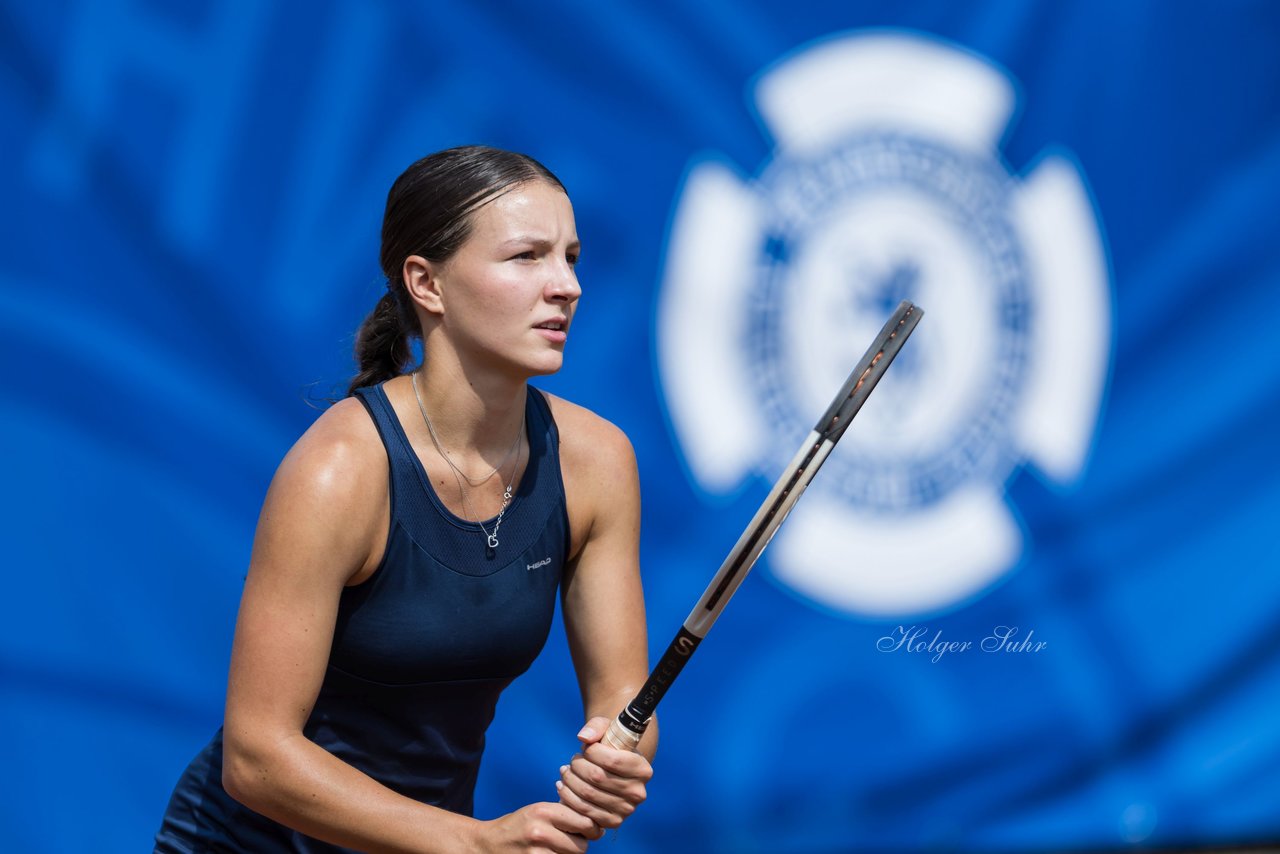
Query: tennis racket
point(626, 730)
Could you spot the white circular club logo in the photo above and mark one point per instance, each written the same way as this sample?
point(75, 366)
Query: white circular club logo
point(886, 184)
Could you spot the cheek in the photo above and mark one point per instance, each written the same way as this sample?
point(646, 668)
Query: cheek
point(516, 292)
point(500, 311)
point(491, 292)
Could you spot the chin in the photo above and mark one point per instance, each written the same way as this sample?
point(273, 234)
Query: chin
point(546, 366)
point(538, 366)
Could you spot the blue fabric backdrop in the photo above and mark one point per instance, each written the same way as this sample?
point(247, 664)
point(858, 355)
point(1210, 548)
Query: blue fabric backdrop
point(192, 195)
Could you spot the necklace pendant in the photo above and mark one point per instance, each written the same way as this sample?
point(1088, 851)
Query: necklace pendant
point(493, 540)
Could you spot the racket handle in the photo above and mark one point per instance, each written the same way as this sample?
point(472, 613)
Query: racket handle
point(620, 738)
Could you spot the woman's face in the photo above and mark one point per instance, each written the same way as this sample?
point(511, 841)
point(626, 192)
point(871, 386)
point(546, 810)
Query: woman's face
point(507, 296)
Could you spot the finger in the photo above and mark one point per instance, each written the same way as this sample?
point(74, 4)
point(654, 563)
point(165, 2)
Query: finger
point(604, 808)
point(575, 843)
point(562, 843)
point(605, 782)
point(593, 730)
point(621, 763)
point(599, 816)
point(577, 828)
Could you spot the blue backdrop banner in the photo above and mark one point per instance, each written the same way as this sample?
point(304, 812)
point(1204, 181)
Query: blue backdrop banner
point(1030, 604)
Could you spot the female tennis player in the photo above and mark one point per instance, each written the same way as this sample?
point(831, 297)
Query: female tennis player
point(411, 548)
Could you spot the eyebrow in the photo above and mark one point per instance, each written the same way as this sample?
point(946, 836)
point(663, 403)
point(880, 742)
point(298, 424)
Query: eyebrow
point(540, 242)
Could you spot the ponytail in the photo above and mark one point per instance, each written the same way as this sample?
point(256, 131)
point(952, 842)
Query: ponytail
point(382, 345)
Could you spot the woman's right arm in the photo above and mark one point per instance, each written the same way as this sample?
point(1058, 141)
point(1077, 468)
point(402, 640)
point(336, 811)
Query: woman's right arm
point(323, 524)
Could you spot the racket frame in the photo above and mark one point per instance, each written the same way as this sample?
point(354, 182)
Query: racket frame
point(627, 729)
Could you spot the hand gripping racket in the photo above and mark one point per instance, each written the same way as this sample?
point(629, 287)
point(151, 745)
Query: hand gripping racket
point(625, 731)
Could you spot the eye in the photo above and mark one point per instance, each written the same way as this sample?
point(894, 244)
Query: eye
point(527, 255)
point(572, 258)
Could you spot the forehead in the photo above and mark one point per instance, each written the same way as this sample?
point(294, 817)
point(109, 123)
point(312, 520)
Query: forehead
point(534, 208)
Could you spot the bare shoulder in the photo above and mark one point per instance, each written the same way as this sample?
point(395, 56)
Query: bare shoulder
point(339, 457)
point(589, 442)
point(602, 489)
point(325, 513)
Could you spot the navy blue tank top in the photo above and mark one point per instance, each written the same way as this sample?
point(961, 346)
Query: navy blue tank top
point(421, 649)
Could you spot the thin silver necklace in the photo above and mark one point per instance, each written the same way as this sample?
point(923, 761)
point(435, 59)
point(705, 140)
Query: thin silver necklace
point(436, 441)
point(458, 475)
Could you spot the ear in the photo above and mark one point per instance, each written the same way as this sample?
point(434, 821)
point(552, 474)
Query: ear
point(422, 281)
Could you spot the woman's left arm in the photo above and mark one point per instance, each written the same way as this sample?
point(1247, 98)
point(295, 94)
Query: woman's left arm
point(604, 616)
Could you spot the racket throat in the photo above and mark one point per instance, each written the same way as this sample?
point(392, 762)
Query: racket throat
point(636, 715)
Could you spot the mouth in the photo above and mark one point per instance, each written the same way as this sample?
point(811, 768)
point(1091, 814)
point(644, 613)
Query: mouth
point(554, 330)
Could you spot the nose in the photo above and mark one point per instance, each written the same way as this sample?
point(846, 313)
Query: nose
point(563, 284)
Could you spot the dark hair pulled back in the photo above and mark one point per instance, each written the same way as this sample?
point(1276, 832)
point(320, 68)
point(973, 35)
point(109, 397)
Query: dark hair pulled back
point(428, 213)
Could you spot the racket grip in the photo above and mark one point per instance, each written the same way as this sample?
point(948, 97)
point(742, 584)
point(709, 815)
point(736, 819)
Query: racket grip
point(620, 738)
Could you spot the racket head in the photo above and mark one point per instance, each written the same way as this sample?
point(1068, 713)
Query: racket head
point(870, 368)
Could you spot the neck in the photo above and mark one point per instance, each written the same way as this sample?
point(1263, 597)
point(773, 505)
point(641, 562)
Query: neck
point(472, 416)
